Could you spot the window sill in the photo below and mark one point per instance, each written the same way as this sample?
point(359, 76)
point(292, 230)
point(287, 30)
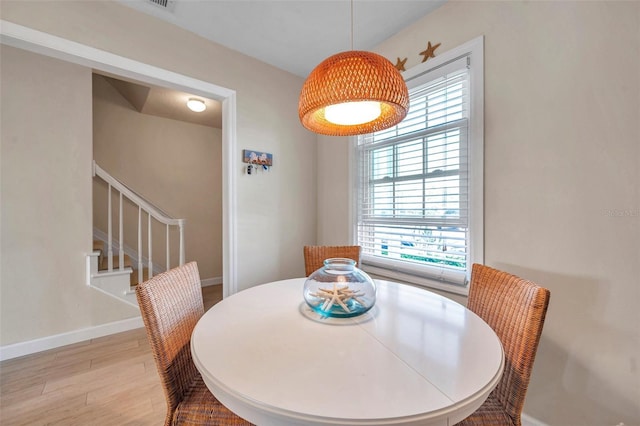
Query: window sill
point(416, 280)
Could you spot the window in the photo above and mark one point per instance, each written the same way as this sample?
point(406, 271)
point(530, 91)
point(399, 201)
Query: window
point(419, 184)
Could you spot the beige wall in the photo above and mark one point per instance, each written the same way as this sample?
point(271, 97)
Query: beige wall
point(562, 202)
point(334, 201)
point(175, 165)
point(276, 210)
point(45, 200)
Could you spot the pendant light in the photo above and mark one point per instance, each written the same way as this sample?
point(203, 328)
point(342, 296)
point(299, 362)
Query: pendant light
point(353, 93)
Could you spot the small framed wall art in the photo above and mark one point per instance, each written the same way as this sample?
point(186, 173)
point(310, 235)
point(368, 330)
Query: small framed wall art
point(257, 160)
point(257, 157)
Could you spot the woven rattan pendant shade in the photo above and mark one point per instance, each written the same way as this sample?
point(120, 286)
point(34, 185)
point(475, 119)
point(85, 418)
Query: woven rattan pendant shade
point(353, 76)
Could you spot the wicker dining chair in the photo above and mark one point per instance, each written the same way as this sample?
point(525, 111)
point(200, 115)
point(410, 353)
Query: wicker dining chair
point(314, 256)
point(515, 309)
point(171, 304)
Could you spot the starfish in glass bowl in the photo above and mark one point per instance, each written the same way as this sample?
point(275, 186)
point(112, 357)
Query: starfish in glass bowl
point(338, 295)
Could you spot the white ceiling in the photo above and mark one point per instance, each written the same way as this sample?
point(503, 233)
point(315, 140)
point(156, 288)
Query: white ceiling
point(294, 35)
point(164, 102)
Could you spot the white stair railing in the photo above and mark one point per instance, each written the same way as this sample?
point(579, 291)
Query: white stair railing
point(151, 212)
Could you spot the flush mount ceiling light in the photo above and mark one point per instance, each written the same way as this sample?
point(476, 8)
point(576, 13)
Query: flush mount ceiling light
point(196, 105)
point(353, 93)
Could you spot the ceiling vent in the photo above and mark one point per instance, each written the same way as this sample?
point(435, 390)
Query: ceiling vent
point(164, 4)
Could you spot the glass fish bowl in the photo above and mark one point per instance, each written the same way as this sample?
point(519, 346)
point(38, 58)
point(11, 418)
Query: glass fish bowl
point(339, 289)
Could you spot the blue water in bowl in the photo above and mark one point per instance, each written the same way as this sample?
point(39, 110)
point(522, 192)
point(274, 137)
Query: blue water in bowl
point(336, 311)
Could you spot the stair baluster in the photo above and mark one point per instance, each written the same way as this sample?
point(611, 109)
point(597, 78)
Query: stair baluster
point(140, 279)
point(99, 275)
point(168, 263)
point(110, 237)
point(181, 227)
point(121, 237)
point(150, 245)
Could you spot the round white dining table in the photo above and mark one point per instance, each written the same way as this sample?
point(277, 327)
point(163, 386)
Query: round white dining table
point(416, 358)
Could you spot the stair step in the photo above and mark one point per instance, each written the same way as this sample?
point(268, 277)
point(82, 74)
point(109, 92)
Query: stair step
point(98, 245)
point(104, 263)
point(133, 279)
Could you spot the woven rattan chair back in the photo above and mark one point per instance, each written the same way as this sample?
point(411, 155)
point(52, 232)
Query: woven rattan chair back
point(515, 309)
point(171, 305)
point(314, 256)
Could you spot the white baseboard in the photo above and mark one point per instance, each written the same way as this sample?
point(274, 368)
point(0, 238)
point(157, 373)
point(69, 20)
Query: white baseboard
point(211, 281)
point(531, 421)
point(50, 342)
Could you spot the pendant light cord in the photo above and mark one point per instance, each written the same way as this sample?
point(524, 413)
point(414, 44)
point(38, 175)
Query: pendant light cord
point(351, 24)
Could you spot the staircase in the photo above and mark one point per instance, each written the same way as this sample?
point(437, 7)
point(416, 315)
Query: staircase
point(118, 274)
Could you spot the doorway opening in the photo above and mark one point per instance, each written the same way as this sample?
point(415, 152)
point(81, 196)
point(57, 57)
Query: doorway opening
point(107, 63)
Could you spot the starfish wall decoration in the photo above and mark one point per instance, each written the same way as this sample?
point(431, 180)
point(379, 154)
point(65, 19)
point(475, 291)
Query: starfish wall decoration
point(400, 64)
point(429, 52)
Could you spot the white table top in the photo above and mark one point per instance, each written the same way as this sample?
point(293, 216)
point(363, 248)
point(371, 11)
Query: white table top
point(415, 358)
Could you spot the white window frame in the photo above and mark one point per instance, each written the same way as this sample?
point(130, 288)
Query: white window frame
point(473, 49)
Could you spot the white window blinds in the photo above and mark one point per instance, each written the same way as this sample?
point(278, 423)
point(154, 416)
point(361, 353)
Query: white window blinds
point(413, 197)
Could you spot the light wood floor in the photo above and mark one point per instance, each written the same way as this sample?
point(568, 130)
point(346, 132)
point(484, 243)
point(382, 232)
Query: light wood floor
point(111, 380)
